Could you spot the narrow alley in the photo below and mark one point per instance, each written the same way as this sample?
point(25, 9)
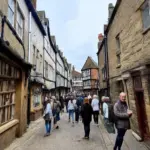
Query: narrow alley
point(70, 138)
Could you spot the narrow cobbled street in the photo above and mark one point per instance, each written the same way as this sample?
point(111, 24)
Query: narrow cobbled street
point(69, 138)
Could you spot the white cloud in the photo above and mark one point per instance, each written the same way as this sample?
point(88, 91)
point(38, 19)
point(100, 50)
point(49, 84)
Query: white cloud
point(77, 29)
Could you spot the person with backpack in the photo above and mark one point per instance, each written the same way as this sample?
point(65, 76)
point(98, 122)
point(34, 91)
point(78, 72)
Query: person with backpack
point(71, 109)
point(95, 106)
point(122, 119)
point(56, 107)
point(47, 117)
point(108, 115)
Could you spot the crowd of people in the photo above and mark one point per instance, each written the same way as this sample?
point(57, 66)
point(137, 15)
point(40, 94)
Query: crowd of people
point(82, 107)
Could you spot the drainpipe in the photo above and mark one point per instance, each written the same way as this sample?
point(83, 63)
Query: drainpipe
point(55, 72)
point(29, 40)
point(107, 65)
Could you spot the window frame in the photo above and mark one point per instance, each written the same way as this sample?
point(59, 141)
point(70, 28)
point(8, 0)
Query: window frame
point(18, 24)
point(143, 10)
point(12, 10)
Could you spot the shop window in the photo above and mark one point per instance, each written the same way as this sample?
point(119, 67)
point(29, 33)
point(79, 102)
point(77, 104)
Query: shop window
point(7, 101)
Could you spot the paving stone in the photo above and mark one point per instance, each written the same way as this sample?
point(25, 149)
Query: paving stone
point(66, 138)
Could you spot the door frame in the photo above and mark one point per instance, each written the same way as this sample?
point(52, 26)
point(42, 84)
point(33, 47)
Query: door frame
point(137, 89)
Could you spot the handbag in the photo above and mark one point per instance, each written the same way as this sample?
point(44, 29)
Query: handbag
point(47, 117)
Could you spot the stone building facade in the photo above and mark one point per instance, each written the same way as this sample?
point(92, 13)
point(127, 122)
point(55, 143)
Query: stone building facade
point(129, 59)
point(14, 70)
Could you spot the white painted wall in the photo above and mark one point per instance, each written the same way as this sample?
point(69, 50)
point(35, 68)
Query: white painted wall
point(37, 40)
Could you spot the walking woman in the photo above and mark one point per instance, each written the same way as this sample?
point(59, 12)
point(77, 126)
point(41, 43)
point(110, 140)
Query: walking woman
point(95, 106)
point(47, 117)
point(86, 113)
point(71, 109)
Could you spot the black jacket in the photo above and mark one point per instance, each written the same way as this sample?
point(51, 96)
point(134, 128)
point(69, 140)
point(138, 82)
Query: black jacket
point(86, 113)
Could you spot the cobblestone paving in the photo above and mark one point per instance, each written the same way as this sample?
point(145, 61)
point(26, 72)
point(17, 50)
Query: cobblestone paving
point(66, 138)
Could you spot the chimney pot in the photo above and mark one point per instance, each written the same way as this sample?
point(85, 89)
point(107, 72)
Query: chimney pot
point(100, 37)
point(34, 3)
point(110, 10)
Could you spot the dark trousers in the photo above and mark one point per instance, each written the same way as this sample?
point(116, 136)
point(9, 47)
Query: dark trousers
point(77, 115)
point(87, 129)
point(95, 116)
point(119, 138)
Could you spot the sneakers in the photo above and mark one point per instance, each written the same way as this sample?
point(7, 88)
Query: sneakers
point(47, 134)
point(86, 138)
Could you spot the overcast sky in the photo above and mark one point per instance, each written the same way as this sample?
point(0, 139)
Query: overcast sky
point(76, 25)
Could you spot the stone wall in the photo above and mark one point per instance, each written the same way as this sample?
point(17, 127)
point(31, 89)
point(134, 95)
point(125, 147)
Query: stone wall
point(135, 52)
point(101, 63)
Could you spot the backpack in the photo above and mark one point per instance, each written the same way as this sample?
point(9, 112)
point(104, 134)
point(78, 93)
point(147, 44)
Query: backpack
point(111, 115)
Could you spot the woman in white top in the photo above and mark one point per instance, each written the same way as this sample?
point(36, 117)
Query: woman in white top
point(95, 106)
point(71, 109)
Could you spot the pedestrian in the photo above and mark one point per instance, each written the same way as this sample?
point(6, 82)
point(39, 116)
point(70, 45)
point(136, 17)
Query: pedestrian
point(86, 113)
point(90, 99)
point(71, 109)
point(77, 110)
point(123, 115)
point(66, 101)
point(95, 106)
point(108, 115)
point(61, 102)
point(47, 117)
point(56, 107)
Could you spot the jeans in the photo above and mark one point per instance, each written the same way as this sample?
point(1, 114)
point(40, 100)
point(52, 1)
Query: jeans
point(48, 126)
point(119, 138)
point(71, 115)
point(87, 129)
point(95, 116)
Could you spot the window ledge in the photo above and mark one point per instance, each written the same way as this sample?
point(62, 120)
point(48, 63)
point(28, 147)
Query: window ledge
point(8, 125)
point(118, 66)
point(146, 30)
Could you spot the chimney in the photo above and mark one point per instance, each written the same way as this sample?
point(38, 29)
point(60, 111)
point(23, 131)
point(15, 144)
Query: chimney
point(100, 38)
point(110, 10)
point(34, 3)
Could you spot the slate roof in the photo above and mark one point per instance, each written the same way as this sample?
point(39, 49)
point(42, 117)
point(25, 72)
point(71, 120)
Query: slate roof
point(90, 64)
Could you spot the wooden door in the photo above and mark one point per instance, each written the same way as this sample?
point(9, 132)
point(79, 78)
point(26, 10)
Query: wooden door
point(140, 106)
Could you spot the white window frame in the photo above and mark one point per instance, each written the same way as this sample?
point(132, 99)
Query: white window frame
point(20, 23)
point(146, 19)
point(11, 12)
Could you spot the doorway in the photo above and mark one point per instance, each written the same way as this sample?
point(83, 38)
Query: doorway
point(141, 111)
point(140, 106)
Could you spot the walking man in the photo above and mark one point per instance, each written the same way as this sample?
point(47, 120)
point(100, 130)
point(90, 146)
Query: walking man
point(86, 113)
point(122, 119)
point(95, 106)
